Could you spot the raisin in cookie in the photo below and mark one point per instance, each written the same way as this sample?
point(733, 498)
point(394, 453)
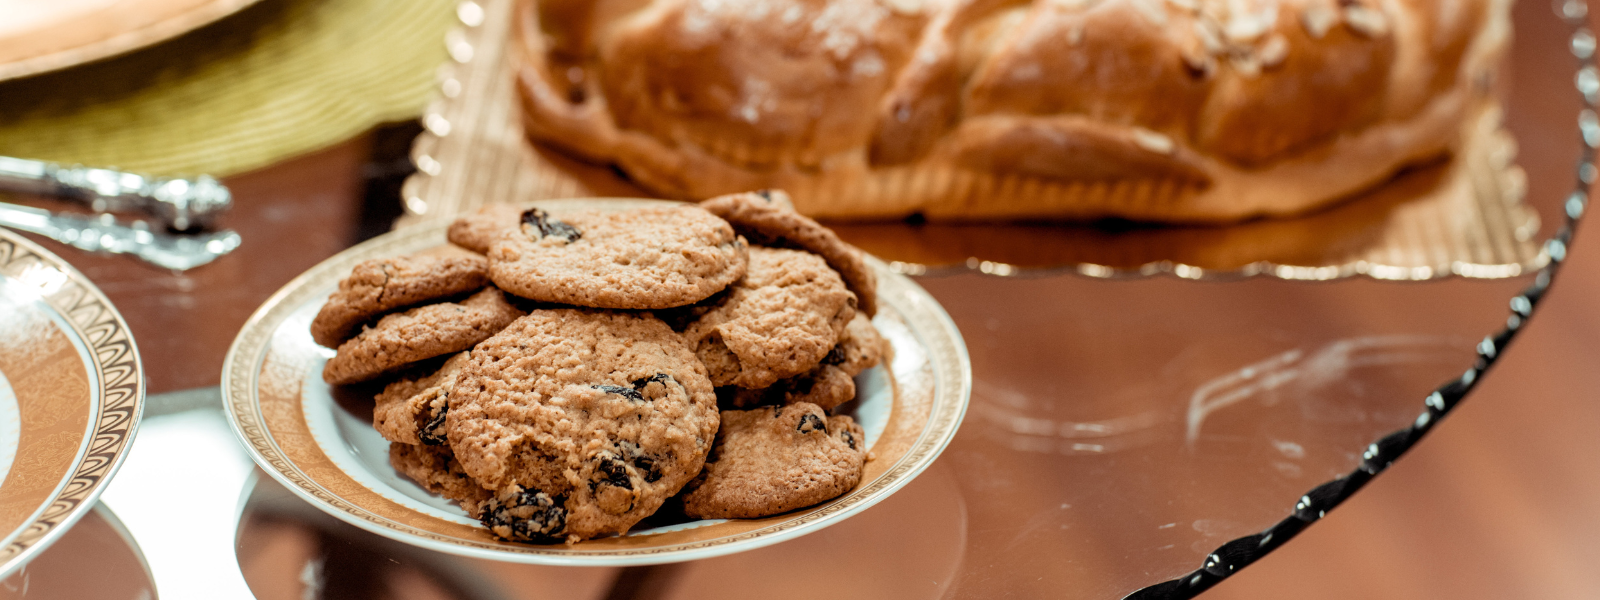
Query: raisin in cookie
point(830, 384)
point(767, 218)
point(436, 470)
point(773, 460)
point(421, 333)
point(647, 258)
point(481, 228)
point(412, 410)
point(779, 321)
point(378, 286)
point(584, 419)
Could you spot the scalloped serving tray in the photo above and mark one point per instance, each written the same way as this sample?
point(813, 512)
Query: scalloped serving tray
point(1463, 217)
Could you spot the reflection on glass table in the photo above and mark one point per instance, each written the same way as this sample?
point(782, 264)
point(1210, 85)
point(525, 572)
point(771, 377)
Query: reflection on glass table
point(178, 494)
point(1104, 450)
point(1142, 452)
point(97, 559)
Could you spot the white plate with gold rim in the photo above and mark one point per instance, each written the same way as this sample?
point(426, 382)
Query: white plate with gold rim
point(71, 394)
point(318, 440)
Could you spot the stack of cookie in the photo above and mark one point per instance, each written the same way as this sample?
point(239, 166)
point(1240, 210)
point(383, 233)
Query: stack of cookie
point(631, 358)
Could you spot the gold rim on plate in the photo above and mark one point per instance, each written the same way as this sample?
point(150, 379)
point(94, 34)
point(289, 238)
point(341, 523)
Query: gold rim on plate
point(71, 394)
point(315, 440)
point(79, 32)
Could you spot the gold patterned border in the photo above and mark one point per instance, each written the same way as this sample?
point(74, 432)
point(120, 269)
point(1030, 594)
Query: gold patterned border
point(305, 470)
point(119, 380)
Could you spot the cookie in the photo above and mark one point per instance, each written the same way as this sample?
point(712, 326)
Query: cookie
point(779, 321)
point(436, 470)
point(526, 515)
point(412, 410)
point(773, 460)
point(648, 258)
point(480, 229)
point(826, 386)
point(584, 419)
point(378, 286)
point(421, 333)
point(767, 218)
point(862, 348)
point(830, 384)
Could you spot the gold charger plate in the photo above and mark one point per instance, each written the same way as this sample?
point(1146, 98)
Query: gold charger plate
point(71, 393)
point(318, 440)
point(44, 36)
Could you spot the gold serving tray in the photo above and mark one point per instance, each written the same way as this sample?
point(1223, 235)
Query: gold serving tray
point(1463, 217)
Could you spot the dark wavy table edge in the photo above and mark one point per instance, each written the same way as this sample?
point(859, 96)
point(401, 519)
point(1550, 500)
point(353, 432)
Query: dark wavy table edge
point(1235, 555)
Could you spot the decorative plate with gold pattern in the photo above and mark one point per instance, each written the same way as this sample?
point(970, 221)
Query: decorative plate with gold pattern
point(318, 439)
point(71, 392)
point(42, 36)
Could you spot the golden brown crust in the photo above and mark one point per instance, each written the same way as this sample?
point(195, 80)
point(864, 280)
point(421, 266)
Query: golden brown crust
point(793, 76)
point(1147, 109)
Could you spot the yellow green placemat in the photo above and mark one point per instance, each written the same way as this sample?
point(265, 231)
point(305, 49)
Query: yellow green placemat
point(280, 78)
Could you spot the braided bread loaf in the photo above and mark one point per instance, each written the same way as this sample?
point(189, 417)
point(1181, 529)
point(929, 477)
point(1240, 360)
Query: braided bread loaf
point(1168, 110)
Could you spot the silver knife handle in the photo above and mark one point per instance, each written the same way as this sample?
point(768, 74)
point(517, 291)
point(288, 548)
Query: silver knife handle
point(104, 234)
point(181, 204)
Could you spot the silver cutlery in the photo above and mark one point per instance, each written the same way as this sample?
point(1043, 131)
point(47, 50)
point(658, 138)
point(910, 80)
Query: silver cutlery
point(180, 204)
point(104, 234)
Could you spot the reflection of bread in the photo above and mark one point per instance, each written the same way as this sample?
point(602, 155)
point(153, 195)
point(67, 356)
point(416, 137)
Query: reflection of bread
point(1195, 110)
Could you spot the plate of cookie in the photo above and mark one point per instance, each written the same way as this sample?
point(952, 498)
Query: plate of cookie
point(71, 395)
point(599, 381)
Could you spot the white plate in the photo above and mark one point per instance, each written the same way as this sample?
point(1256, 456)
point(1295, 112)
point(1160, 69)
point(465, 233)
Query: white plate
point(319, 442)
point(71, 393)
